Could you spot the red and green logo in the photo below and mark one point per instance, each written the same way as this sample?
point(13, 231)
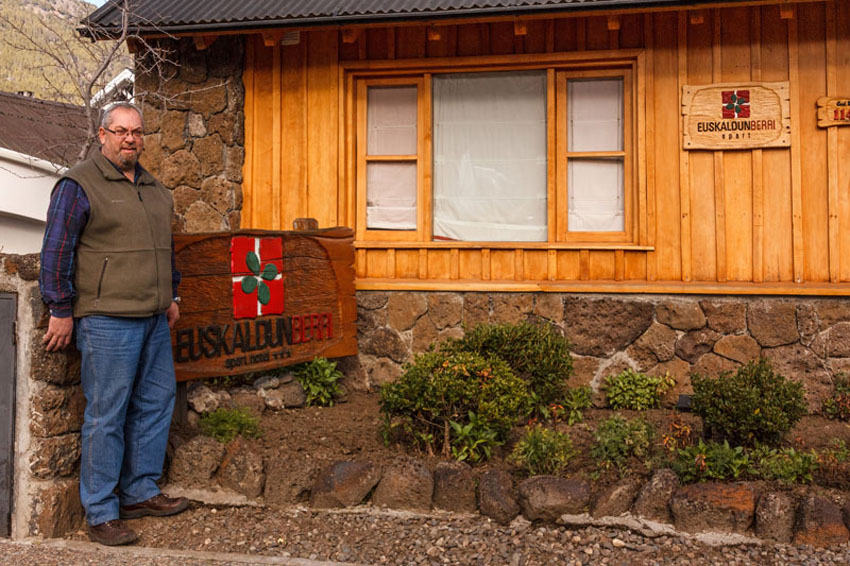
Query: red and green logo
point(257, 268)
point(736, 103)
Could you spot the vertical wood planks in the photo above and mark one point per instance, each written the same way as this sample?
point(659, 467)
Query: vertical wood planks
point(842, 147)
point(293, 173)
point(651, 178)
point(719, 174)
point(796, 154)
point(684, 156)
point(322, 131)
point(832, 149)
point(758, 162)
point(248, 192)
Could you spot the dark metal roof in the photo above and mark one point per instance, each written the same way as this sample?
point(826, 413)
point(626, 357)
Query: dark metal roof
point(177, 16)
point(48, 130)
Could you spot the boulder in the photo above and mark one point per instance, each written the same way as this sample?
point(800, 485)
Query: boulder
point(196, 461)
point(202, 399)
point(775, 517)
point(56, 509)
point(242, 470)
point(385, 343)
point(832, 311)
point(249, 402)
point(454, 488)
point(738, 348)
point(616, 499)
point(726, 317)
point(56, 410)
point(445, 309)
point(56, 456)
point(600, 327)
point(548, 497)
point(797, 362)
point(772, 322)
point(656, 345)
point(808, 324)
point(653, 501)
point(717, 507)
point(476, 309)
point(549, 306)
point(372, 300)
point(712, 365)
point(344, 484)
point(512, 307)
point(681, 315)
point(379, 370)
point(820, 523)
point(407, 484)
point(837, 340)
point(293, 395)
point(405, 309)
point(497, 498)
point(696, 343)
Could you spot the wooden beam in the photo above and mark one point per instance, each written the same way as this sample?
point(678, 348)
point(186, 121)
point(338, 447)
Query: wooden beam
point(434, 33)
point(719, 172)
point(204, 41)
point(758, 157)
point(613, 23)
point(350, 35)
point(834, 199)
point(134, 45)
point(520, 28)
point(796, 158)
point(684, 156)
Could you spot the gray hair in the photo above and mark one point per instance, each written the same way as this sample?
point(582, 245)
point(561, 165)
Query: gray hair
point(106, 116)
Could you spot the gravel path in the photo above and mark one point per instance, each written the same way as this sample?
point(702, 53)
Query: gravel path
point(206, 536)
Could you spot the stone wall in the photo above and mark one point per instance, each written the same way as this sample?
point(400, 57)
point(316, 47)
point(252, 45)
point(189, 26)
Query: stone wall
point(194, 120)
point(49, 415)
point(806, 338)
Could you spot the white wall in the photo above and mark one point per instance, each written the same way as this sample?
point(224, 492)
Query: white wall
point(25, 185)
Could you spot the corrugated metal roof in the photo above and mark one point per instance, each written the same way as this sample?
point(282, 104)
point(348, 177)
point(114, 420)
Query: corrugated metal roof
point(194, 15)
point(48, 130)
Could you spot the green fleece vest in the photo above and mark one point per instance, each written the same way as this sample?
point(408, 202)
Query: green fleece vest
point(123, 257)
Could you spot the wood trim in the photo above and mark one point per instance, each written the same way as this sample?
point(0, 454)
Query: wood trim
point(758, 157)
point(277, 136)
point(630, 287)
point(486, 266)
point(553, 197)
point(248, 189)
point(651, 180)
point(834, 203)
point(796, 155)
point(437, 245)
point(719, 173)
point(684, 156)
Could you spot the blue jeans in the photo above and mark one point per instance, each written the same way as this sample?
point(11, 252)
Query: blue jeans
point(128, 381)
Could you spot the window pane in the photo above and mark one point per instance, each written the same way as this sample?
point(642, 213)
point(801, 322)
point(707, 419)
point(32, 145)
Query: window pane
point(490, 156)
point(391, 121)
point(596, 195)
point(391, 196)
point(595, 115)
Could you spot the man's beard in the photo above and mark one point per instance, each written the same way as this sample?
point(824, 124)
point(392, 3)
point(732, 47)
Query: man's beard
point(128, 162)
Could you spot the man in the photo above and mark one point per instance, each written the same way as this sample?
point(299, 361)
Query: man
point(107, 267)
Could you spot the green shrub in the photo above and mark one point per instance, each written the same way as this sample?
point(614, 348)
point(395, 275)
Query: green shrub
point(473, 441)
point(838, 406)
point(439, 388)
point(571, 410)
point(618, 440)
point(638, 391)
point(536, 353)
point(786, 465)
point(225, 424)
point(753, 405)
point(320, 380)
point(543, 451)
point(710, 461)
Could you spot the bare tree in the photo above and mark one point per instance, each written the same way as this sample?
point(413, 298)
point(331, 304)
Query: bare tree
point(83, 58)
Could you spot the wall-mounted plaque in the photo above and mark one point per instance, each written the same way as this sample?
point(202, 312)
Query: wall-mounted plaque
point(833, 111)
point(255, 300)
point(736, 115)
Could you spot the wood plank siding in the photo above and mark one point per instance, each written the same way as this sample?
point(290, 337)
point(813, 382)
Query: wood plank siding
point(772, 221)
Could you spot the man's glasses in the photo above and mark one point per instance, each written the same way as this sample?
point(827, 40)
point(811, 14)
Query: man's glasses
point(122, 133)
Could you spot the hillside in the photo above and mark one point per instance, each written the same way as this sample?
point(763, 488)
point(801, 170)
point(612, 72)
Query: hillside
point(51, 24)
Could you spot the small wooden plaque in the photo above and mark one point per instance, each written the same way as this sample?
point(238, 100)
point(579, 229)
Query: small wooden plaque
point(736, 116)
point(833, 111)
point(255, 300)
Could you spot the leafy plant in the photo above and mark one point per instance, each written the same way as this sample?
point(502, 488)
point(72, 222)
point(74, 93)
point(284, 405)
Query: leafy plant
point(617, 440)
point(753, 405)
point(320, 380)
point(786, 465)
point(838, 406)
point(537, 354)
point(225, 424)
point(638, 391)
point(679, 434)
point(571, 409)
point(710, 461)
point(441, 387)
point(837, 453)
point(543, 451)
point(473, 441)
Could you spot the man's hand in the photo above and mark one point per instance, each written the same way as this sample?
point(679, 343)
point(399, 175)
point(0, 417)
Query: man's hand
point(172, 314)
point(58, 333)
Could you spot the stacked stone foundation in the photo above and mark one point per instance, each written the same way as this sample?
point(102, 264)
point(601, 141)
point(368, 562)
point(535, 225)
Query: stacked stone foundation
point(805, 338)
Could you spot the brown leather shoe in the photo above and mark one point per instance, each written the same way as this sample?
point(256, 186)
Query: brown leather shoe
point(112, 533)
point(158, 506)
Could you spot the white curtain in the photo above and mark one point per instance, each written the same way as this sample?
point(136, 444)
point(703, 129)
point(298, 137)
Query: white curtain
point(595, 187)
point(391, 185)
point(490, 156)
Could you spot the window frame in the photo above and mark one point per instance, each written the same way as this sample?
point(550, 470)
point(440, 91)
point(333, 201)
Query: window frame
point(358, 75)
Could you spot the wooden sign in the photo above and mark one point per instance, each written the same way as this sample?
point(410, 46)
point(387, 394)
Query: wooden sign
point(256, 300)
point(833, 111)
point(736, 116)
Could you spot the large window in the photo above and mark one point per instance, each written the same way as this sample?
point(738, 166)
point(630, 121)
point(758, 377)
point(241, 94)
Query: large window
point(526, 155)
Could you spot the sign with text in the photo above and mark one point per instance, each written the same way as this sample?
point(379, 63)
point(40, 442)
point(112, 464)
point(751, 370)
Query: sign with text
point(255, 300)
point(833, 111)
point(736, 116)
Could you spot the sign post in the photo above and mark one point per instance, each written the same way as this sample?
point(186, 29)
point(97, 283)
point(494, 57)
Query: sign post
point(255, 300)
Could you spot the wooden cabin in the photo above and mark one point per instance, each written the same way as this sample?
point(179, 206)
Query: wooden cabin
point(572, 161)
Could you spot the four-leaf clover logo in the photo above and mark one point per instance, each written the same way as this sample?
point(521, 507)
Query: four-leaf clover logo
point(256, 283)
point(736, 103)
